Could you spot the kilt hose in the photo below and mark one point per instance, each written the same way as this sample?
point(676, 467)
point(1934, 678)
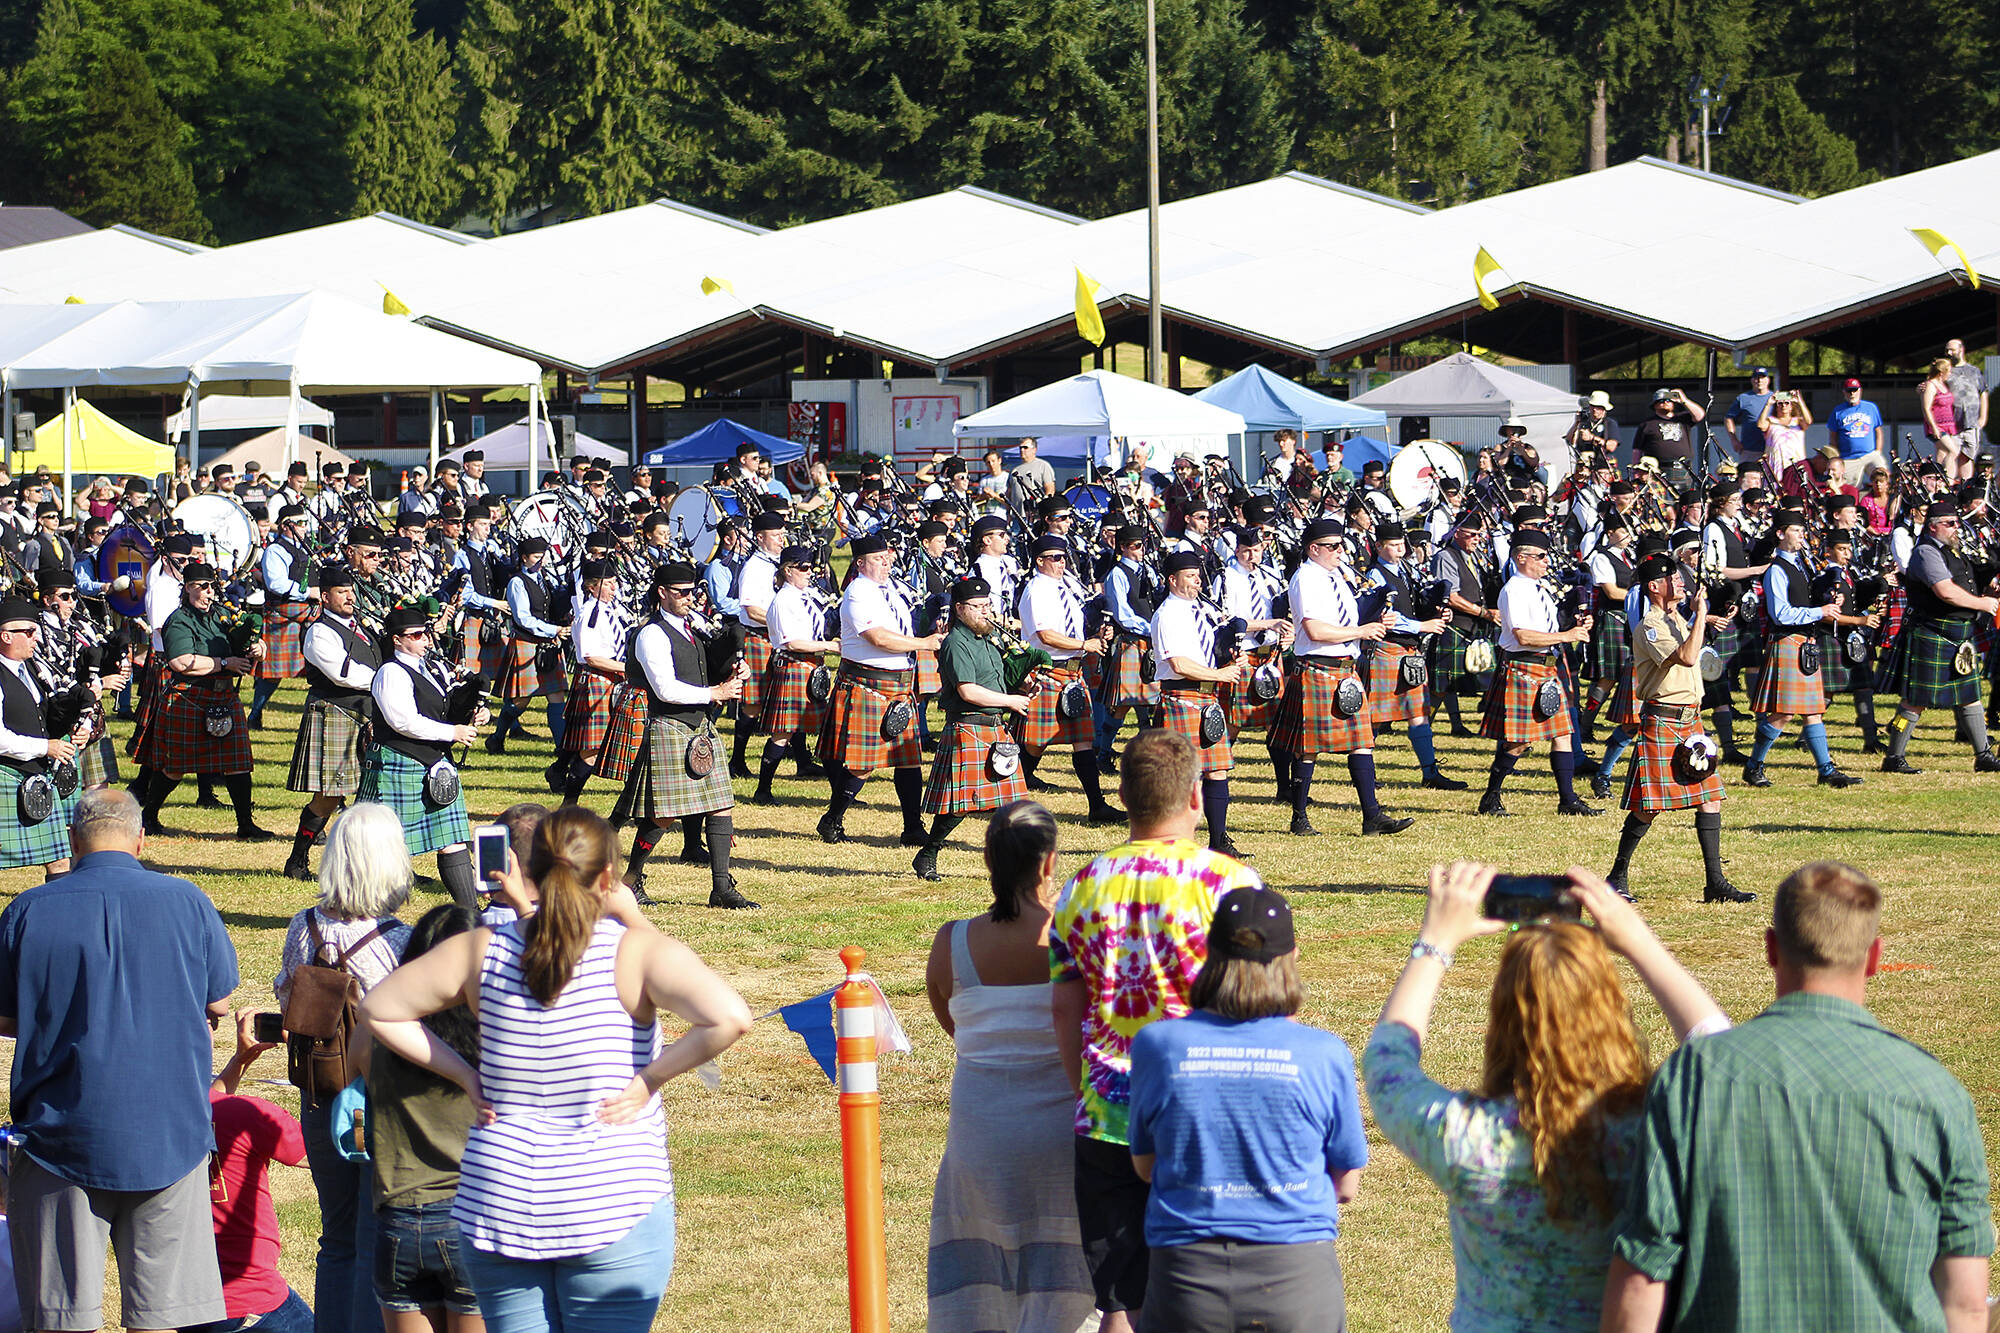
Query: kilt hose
point(1448, 672)
point(397, 781)
point(176, 740)
point(326, 757)
point(1128, 687)
point(1307, 723)
point(1389, 699)
point(524, 676)
point(1182, 713)
point(1651, 784)
point(476, 655)
point(587, 713)
point(623, 733)
point(1042, 726)
point(1782, 687)
point(851, 735)
point(1509, 707)
point(1246, 711)
point(1920, 670)
point(38, 843)
point(1608, 651)
point(756, 656)
point(959, 783)
point(660, 786)
point(787, 708)
point(284, 640)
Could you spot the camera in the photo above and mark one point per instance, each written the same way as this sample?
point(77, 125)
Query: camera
point(267, 1027)
point(1531, 897)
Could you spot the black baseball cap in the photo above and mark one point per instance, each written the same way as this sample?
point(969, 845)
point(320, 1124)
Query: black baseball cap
point(1252, 924)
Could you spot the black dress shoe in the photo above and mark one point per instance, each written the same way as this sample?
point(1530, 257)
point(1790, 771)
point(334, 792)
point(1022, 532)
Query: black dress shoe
point(1623, 890)
point(1036, 784)
point(763, 796)
point(914, 837)
point(1600, 785)
point(553, 775)
point(153, 828)
point(299, 870)
point(1722, 891)
point(1490, 805)
point(497, 743)
point(1104, 814)
point(829, 830)
point(640, 896)
point(1284, 794)
point(1986, 762)
point(725, 896)
point(1836, 779)
point(210, 802)
point(1383, 823)
point(1874, 747)
point(1586, 767)
point(1227, 846)
point(251, 833)
point(1897, 763)
point(1107, 763)
point(925, 864)
point(1439, 781)
point(741, 771)
point(1753, 776)
point(808, 769)
point(1732, 755)
point(1575, 806)
point(1302, 827)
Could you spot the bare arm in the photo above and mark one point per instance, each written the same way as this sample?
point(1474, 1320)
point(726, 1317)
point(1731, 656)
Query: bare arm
point(1633, 1302)
point(1537, 638)
point(1681, 997)
point(1142, 1166)
point(1452, 915)
point(1066, 1007)
point(891, 642)
point(1961, 1287)
point(678, 982)
point(393, 1012)
point(1950, 592)
point(1347, 1185)
point(937, 980)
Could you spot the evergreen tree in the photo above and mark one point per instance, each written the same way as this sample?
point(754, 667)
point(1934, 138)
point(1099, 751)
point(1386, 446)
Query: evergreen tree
point(121, 158)
point(406, 106)
point(1776, 140)
point(1536, 94)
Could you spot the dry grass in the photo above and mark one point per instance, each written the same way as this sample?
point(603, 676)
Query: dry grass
point(757, 1163)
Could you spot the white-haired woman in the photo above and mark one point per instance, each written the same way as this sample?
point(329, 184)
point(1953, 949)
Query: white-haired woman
point(363, 878)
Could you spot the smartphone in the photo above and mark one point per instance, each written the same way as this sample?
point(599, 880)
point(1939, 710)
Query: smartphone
point(1528, 897)
point(491, 843)
point(267, 1027)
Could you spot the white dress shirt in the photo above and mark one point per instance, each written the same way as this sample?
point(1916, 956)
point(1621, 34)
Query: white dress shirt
point(756, 584)
point(1322, 595)
point(13, 744)
point(793, 618)
point(655, 652)
point(396, 701)
point(869, 605)
point(1003, 574)
point(1525, 604)
point(324, 648)
point(1181, 630)
point(1048, 603)
point(599, 630)
point(163, 598)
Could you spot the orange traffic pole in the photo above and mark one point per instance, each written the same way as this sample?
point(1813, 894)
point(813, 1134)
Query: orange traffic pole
point(861, 1149)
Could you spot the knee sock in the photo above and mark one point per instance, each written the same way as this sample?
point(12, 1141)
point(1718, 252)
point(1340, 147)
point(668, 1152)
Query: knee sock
point(910, 796)
point(1628, 843)
point(238, 787)
point(580, 772)
point(1599, 691)
point(1725, 726)
point(1562, 763)
point(158, 789)
point(1864, 715)
point(1361, 772)
point(455, 869)
point(1282, 765)
point(310, 827)
point(558, 718)
point(1974, 722)
point(1030, 761)
point(691, 844)
point(1815, 738)
point(142, 783)
point(1450, 703)
point(1215, 808)
point(1085, 764)
point(1767, 736)
point(1423, 747)
point(941, 829)
point(844, 786)
point(1900, 727)
point(767, 768)
point(1614, 749)
point(1302, 787)
point(721, 833)
point(644, 839)
point(740, 747)
point(260, 694)
point(1708, 832)
point(1503, 764)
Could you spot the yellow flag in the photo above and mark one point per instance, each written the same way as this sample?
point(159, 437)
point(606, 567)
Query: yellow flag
point(1934, 241)
point(1485, 266)
point(73, 300)
point(393, 304)
point(1089, 322)
point(710, 286)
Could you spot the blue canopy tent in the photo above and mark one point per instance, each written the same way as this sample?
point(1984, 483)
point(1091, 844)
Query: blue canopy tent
point(717, 442)
point(1268, 402)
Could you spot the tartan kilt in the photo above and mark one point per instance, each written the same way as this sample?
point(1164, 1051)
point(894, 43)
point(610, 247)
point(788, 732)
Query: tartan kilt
point(284, 641)
point(1389, 700)
point(1608, 652)
point(1041, 726)
point(522, 677)
point(851, 734)
point(1626, 703)
point(146, 687)
point(1246, 711)
point(756, 656)
point(1835, 674)
point(484, 659)
point(34, 844)
point(787, 709)
point(660, 786)
point(1782, 687)
point(1508, 711)
point(928, 680)
point(1651, 785)
point(1307, 723)
point(1127, 688)
point(587, 712)
point(397, 781)
point(326, 757)
point(1448, 673)
point(97, 763)
point(1182, 713)
point(959, 783)
point(176, 741)
point(1924, 677)
point(623, 733)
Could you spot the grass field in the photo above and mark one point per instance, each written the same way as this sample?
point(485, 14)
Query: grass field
point(757, 1162)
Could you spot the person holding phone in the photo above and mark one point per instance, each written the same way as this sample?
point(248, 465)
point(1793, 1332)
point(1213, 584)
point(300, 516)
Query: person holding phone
point(1534, 1161)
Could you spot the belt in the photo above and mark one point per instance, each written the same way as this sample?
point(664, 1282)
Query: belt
point(1067, 668)
point(868, 675)
point(1339, 666)
point(787, 655)
point(984, 719)
point(1528, 659)
point(1681, 713)
point(1188, 686)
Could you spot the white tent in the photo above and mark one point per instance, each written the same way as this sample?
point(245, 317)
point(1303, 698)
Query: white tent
point(506, 449)
point(223, 411)
point(1099, 402)
point(1462, 385)
point(269, 451)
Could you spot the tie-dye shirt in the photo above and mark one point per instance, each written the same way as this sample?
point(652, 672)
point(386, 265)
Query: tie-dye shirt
point(1132, 927)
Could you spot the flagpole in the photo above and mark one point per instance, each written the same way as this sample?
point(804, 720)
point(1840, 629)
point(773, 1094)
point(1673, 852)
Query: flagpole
point(1155, 371)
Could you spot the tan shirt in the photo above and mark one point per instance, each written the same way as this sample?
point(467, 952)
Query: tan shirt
point(1659, 636)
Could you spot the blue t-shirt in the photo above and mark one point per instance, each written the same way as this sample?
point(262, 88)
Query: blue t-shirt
point(1853, 426)
point(107, 973)
point(1749, 407)
point(1248, 1121)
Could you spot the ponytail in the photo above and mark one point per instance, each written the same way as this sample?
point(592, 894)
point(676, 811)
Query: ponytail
point(571, 851)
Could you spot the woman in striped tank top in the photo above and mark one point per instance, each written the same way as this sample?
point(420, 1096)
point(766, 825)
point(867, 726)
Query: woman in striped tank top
point(565, 1199)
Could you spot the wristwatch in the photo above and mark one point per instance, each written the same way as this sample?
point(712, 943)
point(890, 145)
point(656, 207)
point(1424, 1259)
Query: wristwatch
point(1425, 949)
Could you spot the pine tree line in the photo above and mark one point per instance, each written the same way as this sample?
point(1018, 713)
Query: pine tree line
point(226, 120)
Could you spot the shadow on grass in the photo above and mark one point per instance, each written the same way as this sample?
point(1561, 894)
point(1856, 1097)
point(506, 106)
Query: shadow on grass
point(792, 868)
point(1411, 891)
point(246, 920)
point(1863, 828)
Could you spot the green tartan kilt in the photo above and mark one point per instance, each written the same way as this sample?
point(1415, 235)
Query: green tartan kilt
point(34, 844)
point(959, 783)
point(1925, 678)
point(397, 781)
point(97, 763)
point(284, 640)
point(660, 786)
point(1609, 651)
point(326, 757)
point(1835, 674)
point(1448, 673)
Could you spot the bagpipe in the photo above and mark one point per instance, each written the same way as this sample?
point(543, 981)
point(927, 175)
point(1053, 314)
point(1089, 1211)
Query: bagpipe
point(1019, 663)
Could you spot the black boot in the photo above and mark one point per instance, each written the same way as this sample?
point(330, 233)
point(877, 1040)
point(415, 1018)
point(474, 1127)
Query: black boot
point(722, 885)
point(910, 796)
point(1708, 832)
point(239, 796)
point(310, 827)
point(157, 791)
point(767, 769)
point(694, 851)
point(644, 839)
point(205, 797)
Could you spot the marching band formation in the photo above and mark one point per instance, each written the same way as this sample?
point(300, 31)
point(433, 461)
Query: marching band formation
point(1321, 610)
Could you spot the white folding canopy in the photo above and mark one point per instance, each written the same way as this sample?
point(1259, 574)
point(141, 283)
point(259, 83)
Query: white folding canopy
point(224, 411)
point(1099, 402)
point(1461, 385)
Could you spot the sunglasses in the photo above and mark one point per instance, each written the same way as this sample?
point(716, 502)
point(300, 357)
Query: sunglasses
point(680, 592)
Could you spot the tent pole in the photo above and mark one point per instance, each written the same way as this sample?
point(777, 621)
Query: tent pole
point(194, 429)
point(534, 431)
point(1153, 347)
point(291, 426)
point(7, 426)
point(69, 431)
point(434, 435)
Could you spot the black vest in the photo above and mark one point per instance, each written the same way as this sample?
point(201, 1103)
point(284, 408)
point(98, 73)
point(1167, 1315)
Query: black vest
point(1468, 585)
point(1798, 591)
point(690, 666)
point(1398, 601)
point(538, 603)
point(1734, 553)
point(1925, 604)
point(482, 574)
point(1621, 574)
point(24, 717)
point(430, 702)
point(301, 564)
point(360, 648)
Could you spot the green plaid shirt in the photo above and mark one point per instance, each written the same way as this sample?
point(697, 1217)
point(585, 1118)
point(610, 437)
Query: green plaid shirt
point(1804, 1171)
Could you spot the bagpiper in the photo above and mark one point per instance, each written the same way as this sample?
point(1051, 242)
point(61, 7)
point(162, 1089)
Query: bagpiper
point(34, 809)
point(340, 664)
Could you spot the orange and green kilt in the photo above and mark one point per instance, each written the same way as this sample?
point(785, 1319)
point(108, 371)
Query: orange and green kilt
point(959, 783)
point(1181, 711)
point(1509, 707)
point(851, 735)
point(1782, 687)
point(147, 685)
point(587, 712)
point(756, 656)
point(788, 710)
point(484, 659)
point(1651, 784)
point(1042, 726)
point(1246, 711)
point(1389, 699)
point(523, 677)
point(1307, 723)
point(1128, 687)
point(928, 680)
point(623, 732)
point(176, 740)
point(284, 640)
point(1625, 701)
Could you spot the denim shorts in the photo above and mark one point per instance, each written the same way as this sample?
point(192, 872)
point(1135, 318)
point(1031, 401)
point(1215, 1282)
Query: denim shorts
point(416, 1260)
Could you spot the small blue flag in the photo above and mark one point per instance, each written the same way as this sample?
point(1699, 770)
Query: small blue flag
point(812, 1019)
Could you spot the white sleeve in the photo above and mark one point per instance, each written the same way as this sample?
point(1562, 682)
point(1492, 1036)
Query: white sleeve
point(868, 607)
point(322, 647)
point(656, 656)
point(396, 701)
point(1712, 548)
point(1040, 606)
point(1510, 605)
point(16, 746)
point(1600, 569)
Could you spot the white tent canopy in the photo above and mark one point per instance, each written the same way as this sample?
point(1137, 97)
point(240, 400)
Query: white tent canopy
point(222, 411)
point(506, 449)
point(1099, 402)
point(1462, 385)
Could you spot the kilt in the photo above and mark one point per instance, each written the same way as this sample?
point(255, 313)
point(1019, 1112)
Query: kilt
point(1307, 723)
point(1182, 713)
point(587, 714)
point(1508, 711)
point(146, 688)
point(1782, 687)
point(397, 781)
point(1389, 700)
point(284, 640)
point(623, 733)
point(1650, 784)
point(1448, 673)
point(1923, 676)
point(1626, 703)
point(1835, 674)
point(1127, 688)
point(659, 785)
point(176, 740)
point(1041, 726)
point(756, 656)
point(34, 844)
point(928, 680)
point(485, 659)
point(97, 763)
point(1246, 711)
point(787, 710)
point(851, 734)
point(326, 757)
point(959, 783)
point(1609, 651)
point(522, 677)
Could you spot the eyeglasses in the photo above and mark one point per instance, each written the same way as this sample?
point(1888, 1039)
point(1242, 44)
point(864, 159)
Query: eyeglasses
point(680, 592)
point(65, 596)
point(30, 631)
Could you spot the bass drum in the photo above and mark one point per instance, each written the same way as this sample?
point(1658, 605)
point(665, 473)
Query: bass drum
point(1557, 462)
point(546, 516)
point(696, 513)
point(226, 532)
point(1090, 500)
point(127, 553)
point(1417, 470)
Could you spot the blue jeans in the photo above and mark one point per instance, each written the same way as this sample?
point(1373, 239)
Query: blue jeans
point(418, 1264)
point(343, 1287)
point(613, 1290)
point(291, 1317)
